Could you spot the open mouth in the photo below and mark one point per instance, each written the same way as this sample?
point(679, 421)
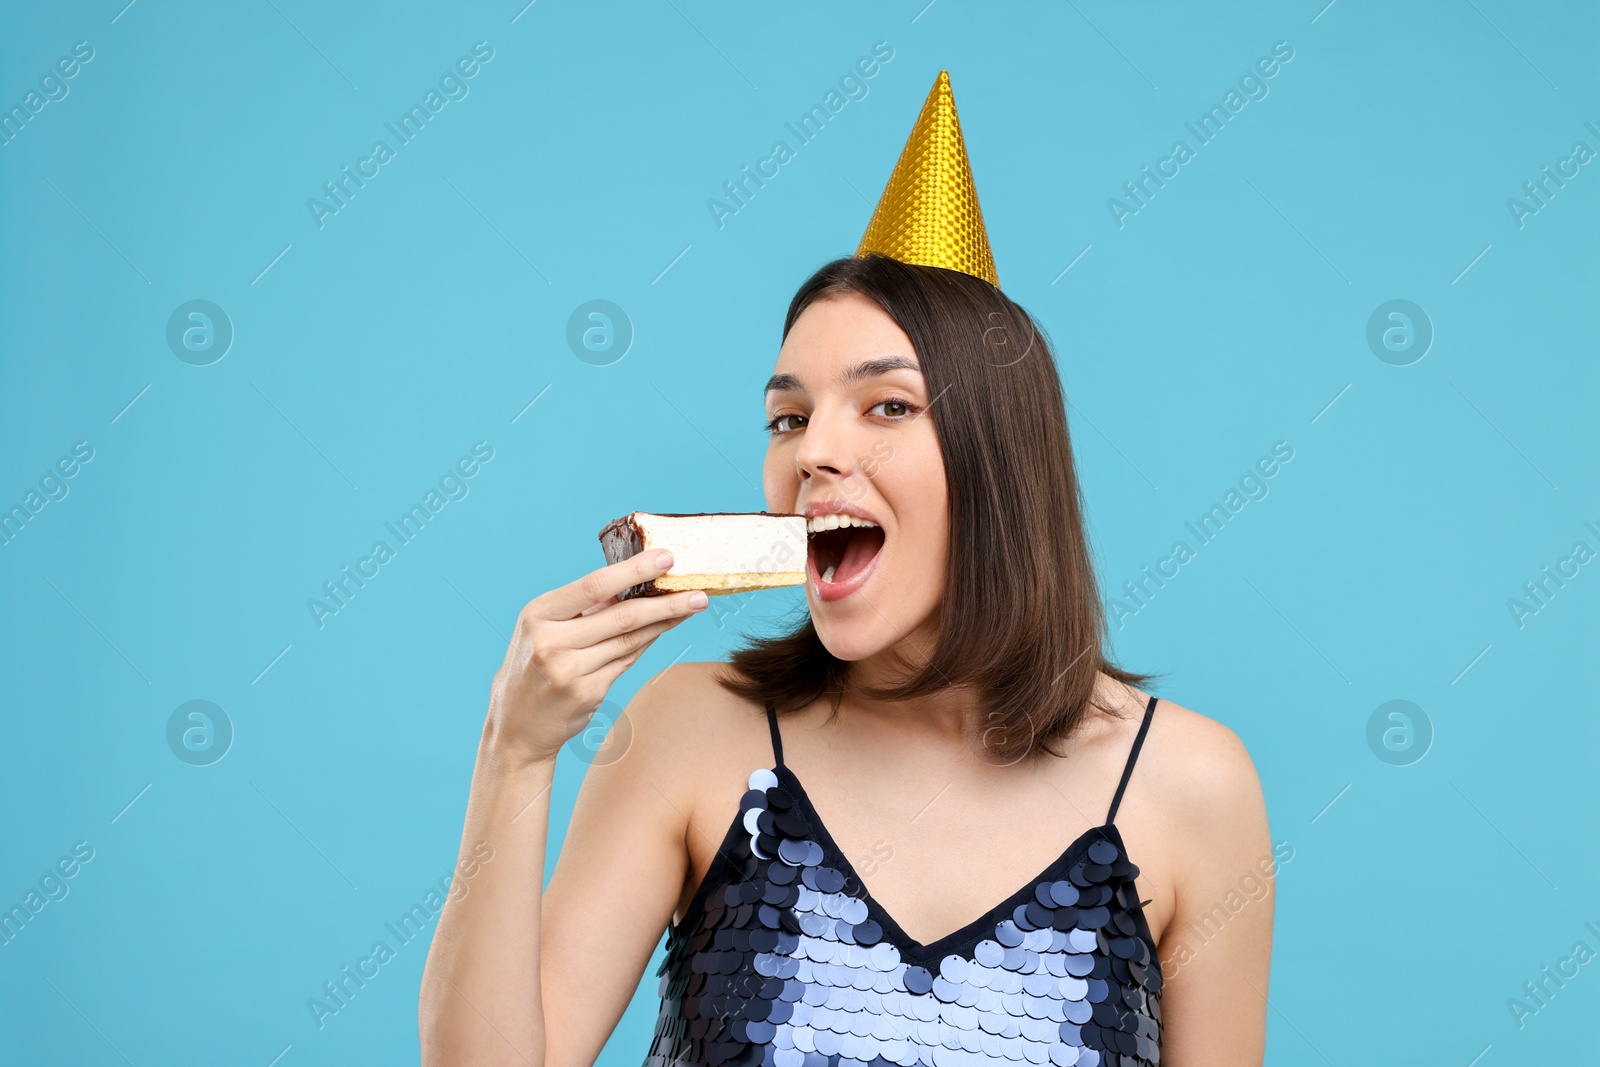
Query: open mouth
point(841, 555)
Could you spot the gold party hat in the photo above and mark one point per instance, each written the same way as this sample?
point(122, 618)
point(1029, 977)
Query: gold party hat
point(928, 213)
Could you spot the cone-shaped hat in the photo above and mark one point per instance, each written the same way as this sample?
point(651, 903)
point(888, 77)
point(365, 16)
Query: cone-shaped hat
point(929, 213)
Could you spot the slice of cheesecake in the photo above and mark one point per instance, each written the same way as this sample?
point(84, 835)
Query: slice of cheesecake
point(720, 552)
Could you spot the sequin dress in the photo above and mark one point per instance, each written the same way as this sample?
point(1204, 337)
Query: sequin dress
point(783, 958)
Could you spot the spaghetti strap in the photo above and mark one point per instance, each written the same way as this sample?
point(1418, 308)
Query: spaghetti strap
point(1127, 772)
point(777, 740)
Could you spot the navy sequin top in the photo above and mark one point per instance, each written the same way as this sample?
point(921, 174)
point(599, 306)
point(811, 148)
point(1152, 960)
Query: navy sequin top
point(783, 959)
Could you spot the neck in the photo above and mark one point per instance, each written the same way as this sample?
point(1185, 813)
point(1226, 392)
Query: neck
point(953, 711)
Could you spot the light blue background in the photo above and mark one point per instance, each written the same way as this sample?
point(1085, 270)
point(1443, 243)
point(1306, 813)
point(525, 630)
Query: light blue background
point(1228, 314)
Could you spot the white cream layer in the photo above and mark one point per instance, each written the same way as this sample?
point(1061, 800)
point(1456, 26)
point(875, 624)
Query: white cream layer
point(728, 544)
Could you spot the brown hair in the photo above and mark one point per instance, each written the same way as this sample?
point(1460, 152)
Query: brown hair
point(1021, 621)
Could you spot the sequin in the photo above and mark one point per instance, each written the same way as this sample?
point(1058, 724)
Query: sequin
point(989, 953)
point(778, 964)
point(1103, 852)
point(917, 980)
point(1064, 893)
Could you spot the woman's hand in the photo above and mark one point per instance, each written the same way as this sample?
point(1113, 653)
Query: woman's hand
point(570, 645)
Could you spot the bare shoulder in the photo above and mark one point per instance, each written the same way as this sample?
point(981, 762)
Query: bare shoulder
point(1202, 798)
point(1197, 768)
point(677, 745)
point(696, 743)
point(685, 708)
point(1206, 827)
point(687, 726)
point(1198, 758)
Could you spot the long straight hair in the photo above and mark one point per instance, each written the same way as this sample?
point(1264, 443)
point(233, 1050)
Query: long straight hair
point(1022, 623)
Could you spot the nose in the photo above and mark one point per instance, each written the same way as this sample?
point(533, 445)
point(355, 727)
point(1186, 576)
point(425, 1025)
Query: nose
point(826, 447)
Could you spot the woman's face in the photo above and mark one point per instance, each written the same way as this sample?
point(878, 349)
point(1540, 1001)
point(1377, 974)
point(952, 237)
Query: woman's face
point(850, 434)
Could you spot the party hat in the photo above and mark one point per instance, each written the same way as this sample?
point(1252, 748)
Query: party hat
point(928, 213)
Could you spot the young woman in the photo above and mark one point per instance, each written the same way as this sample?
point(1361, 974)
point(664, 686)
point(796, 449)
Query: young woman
point(934, 825)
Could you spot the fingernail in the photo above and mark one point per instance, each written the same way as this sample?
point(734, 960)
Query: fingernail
point(664, 559)
point(698, 600)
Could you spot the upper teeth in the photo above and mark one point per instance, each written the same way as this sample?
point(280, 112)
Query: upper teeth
point(818, 523)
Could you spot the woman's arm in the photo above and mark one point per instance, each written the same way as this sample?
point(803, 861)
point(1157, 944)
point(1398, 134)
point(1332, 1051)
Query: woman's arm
point(507, 980)
point(1216, 951)
point(624, 864)
point(480, 999)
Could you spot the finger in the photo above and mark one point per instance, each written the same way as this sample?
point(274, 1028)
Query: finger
point(609, 622)
point(595, 588)
point(619, 666)
point(598, 656)
point(597, 607)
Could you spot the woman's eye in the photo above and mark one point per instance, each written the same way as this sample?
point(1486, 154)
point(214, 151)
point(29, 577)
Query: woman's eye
point(776, 425)
point(904, 408)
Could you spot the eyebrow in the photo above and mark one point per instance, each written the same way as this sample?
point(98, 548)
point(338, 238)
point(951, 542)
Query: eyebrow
point(870, 369)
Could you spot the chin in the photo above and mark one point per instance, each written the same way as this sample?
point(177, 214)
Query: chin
point(869, 633)
point(853, 643)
